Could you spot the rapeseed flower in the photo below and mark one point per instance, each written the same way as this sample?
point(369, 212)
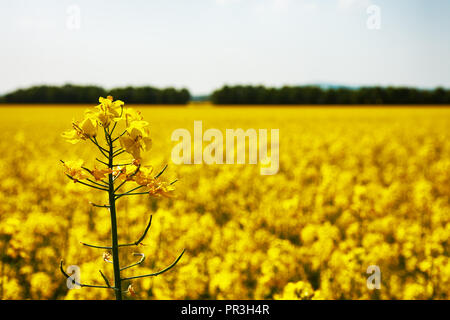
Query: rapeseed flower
point(136, 139)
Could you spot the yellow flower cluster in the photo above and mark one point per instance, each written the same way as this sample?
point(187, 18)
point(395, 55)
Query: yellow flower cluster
point(133, 140)
point(143, 176)
point(356, 187)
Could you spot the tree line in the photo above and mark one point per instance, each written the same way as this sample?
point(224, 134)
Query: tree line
point(230, 95)
point(89, 94)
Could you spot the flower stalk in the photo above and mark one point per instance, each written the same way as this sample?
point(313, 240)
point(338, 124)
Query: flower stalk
point(112, 210)
point(133, 140)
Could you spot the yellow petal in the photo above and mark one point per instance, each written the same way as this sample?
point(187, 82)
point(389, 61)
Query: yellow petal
point(89, 127)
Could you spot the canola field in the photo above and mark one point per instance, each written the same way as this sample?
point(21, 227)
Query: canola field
point(356, 187)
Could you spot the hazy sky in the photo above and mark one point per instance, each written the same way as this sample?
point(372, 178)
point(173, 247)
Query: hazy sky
point(203, 44)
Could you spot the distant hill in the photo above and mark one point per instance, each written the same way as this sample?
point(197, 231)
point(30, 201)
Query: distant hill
point(201, 98)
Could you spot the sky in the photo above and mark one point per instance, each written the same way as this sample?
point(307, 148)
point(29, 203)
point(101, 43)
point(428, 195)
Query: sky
point(204, 44)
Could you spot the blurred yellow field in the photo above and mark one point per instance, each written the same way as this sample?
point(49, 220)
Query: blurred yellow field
point(356, 187)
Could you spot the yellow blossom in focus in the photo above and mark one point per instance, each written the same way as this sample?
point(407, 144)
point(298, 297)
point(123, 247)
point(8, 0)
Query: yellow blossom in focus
point(161, 188)
point(131, 115)
point(81, 131)
point(155, 187)
point(75, 170)
point(107, 111)
point(99, 174)
point(144, 176)
point(126, 172)
point(136, 139)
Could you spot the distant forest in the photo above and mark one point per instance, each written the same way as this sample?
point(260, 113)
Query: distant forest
point(90, 94)
point(230, 95)
point(233, 95)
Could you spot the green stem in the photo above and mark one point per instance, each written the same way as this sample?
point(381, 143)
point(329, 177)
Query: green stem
point(112, 209)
